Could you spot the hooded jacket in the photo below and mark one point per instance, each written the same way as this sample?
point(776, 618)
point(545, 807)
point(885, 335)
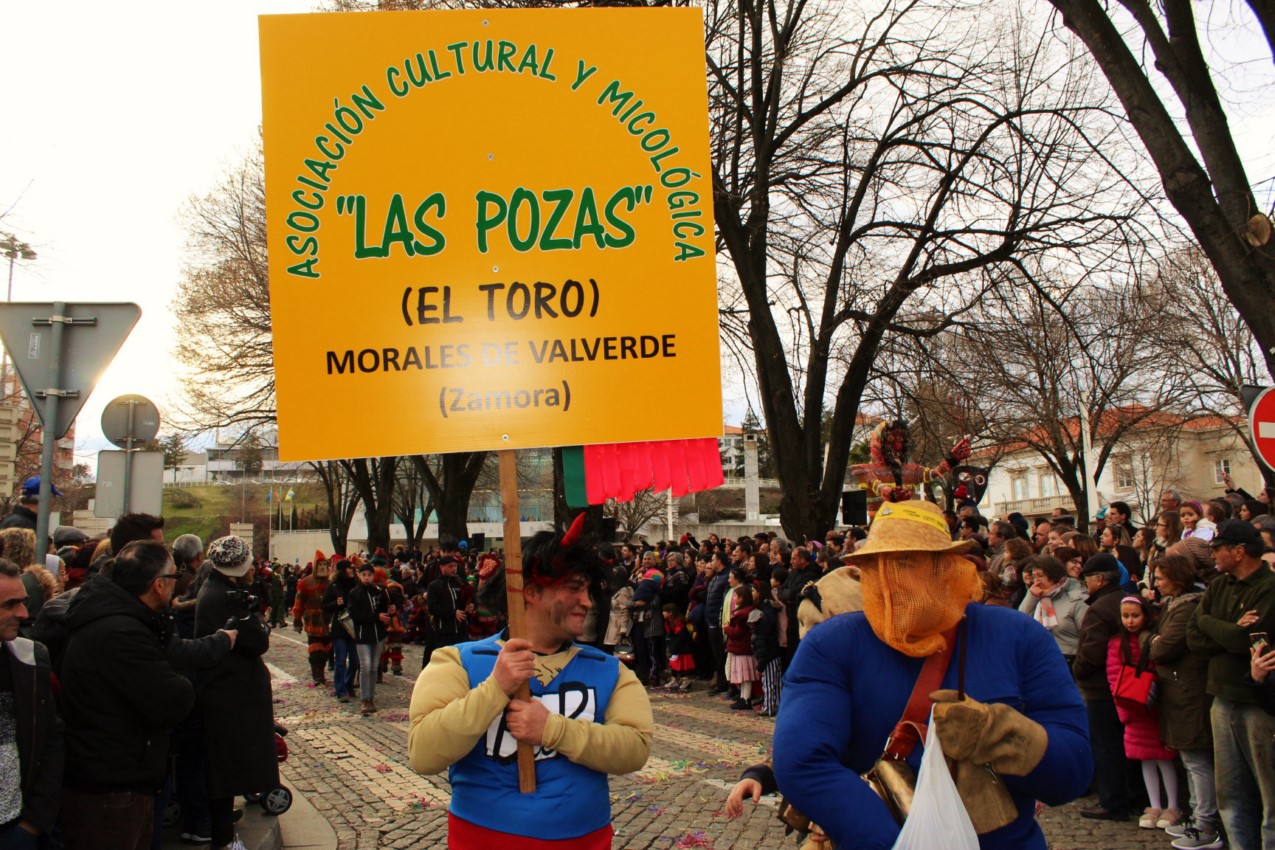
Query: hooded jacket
point(39, 732)
point(120, 696)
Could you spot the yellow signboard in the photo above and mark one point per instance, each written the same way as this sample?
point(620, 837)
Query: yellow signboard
point(489, 229)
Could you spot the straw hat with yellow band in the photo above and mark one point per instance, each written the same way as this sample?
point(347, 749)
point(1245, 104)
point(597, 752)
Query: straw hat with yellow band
point(915, 582)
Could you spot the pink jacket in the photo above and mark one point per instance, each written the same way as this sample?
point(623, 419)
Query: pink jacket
point(1141, 728)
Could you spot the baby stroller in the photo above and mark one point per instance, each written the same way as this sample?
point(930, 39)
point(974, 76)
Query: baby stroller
point(277, 800)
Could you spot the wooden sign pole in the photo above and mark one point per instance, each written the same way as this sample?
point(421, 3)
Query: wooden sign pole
point(513, 588)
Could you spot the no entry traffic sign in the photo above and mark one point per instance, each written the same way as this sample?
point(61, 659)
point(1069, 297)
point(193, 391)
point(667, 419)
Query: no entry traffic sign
point(1261, 423)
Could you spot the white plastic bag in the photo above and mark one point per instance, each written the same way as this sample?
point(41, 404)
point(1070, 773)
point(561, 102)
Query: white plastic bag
point(938, 817)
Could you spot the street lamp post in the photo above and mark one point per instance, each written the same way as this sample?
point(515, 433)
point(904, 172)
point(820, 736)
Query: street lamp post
point(14, 249)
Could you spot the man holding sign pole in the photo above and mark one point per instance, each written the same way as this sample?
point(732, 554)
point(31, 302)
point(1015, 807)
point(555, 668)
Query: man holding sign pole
point(588, 716)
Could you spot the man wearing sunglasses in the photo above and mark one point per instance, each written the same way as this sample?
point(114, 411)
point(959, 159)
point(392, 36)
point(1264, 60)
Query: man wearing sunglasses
point(121, 699)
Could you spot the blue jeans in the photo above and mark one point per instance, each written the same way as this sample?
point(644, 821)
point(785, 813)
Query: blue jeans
point(346, 663)
point(1106, 740)
point(1242, 754)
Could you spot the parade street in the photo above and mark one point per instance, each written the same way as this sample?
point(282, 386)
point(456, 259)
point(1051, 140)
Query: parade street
point(354, 771)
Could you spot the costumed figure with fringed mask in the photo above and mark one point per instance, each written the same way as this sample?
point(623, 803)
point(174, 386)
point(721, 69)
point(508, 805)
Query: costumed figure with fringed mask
point(891, 476)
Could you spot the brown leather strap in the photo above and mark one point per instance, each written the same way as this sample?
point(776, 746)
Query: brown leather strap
point(910, 729)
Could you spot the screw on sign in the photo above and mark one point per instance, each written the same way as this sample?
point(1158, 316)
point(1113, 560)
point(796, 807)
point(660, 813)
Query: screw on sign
point(1261, 423)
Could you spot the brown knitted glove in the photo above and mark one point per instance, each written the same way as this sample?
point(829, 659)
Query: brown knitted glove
point(994, 735)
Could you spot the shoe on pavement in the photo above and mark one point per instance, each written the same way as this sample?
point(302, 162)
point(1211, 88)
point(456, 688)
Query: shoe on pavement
point(1149, 817)
point(365, 707)
point(1168, 818)
point(343, 698)
point(1178, 830)
point(197, 837)
point(1099, 813)
point(741, 705)
point(1196, 839)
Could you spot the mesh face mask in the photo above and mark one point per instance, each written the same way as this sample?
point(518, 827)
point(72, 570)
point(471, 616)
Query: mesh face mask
point(911, 598)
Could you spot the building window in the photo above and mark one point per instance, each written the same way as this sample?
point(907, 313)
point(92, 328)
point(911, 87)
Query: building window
point(1019, 487)
point(1048, 485)
point(1124, 473)
point(1221, 469)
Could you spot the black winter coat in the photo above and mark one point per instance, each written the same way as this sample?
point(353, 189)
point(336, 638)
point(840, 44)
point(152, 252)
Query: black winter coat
point(120, 696)
point(236, 700)
point(39, 732)
point(766, 635)
point(366, 604)
point(22, 517)
point(338, 588)
point(1099, 624)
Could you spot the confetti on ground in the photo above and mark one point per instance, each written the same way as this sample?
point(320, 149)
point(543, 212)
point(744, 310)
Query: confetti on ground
point(383, 768)
point(422, 803)
point(695, 839)
point(656, 810)
point(631, 797)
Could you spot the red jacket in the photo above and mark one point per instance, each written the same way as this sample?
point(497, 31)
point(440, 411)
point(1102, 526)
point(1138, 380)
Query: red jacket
point(739, 635)
point(1141, 727)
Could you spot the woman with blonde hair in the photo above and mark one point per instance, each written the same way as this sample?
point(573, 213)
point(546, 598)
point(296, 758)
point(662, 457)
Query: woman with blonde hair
point(18, 546)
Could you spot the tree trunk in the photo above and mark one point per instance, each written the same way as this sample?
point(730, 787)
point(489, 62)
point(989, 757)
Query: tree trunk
point(1247, 275)
point(451, 489)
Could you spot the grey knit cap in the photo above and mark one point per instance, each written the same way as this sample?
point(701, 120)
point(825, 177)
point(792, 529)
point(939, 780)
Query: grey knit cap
point(230, 555)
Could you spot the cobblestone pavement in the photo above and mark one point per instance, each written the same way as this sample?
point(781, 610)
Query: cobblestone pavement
point(354, 770)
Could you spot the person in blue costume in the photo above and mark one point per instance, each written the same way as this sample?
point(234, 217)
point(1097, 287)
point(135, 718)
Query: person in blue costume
point(852, 676)
point(588, 716)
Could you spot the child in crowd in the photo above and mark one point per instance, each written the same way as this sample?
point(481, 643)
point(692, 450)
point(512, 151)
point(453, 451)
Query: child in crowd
point(741, 667)
point(1193, 522)
point(767, 649)
point(679, 637)
point(1141, 722)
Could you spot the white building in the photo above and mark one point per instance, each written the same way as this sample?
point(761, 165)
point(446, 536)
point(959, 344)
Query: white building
point(1190, 455)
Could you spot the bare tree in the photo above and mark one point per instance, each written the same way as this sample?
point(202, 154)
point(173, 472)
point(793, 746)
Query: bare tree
point(449, 480)
point(1209, 346)
point(1199, 163)
point(373, 479)
point(868, 167)
point(1048, 363)
point(343, 501)
point(632, 515)
point(410, 499)
point(223, 303)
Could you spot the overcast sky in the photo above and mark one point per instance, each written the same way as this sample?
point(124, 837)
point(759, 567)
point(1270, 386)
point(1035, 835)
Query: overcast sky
point(118, 112)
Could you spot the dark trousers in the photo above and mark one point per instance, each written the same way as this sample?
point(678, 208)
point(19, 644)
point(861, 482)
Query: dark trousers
point(115, 820)
point(1106, 740)
point(717, 642)
point(191, 776)
point(222, 810)
point(642, 663)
